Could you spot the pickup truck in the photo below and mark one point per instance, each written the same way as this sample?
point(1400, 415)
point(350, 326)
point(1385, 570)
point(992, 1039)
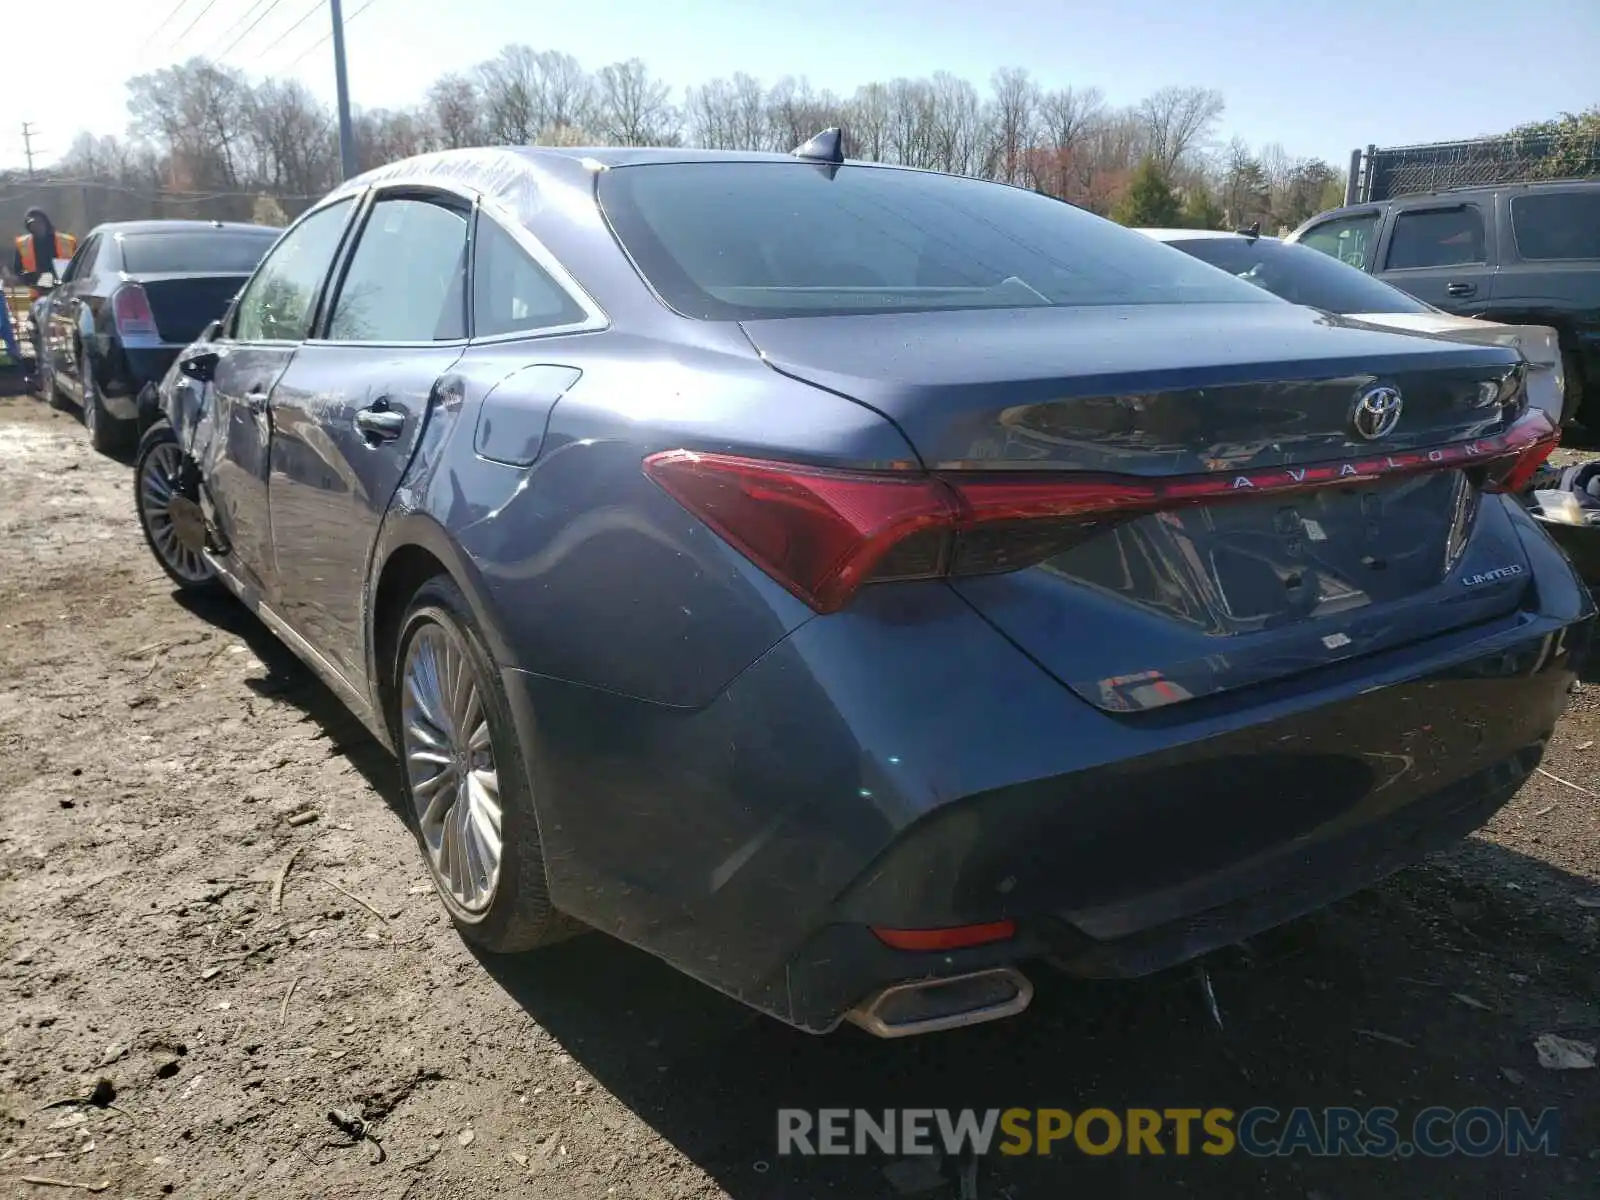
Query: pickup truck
point(1520, 254)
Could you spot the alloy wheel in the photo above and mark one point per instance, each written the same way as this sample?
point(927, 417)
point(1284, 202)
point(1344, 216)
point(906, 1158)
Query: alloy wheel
point(157, 486)
point(450, 764)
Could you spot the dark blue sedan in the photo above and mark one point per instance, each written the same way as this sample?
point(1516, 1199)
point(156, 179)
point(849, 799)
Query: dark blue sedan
point(855, 585)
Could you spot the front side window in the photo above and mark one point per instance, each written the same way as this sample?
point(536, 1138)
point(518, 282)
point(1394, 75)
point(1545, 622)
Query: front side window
point(735, 241)
point(277, 304)
point(1347, 239)
point(511, 293)
point(1300, 275)
point(1557, 225)
point(1437, 237)
point(407, 278)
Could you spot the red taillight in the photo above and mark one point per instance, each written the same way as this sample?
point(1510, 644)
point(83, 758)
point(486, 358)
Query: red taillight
point(1523, 466)
point(820, 533)
point(954, 937)
point(130, 307)
point(823, 533)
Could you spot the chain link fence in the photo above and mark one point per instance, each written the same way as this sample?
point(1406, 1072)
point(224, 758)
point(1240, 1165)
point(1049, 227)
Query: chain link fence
point(77, 205)
point(1407, 170)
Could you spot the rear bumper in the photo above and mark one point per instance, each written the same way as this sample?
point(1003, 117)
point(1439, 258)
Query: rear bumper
point(903, 765)
point(126, 371)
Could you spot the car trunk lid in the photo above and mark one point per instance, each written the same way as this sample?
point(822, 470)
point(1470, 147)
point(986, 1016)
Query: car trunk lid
point(184, 304)
point(1289, 526)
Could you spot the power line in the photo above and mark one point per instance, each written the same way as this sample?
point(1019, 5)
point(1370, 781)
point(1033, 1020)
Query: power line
point(151, 36)
point(178, 41)
point(266, 12)
point(228, 33)
point(323, 39)
point(316, 7)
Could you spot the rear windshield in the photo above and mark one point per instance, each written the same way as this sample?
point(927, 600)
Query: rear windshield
point(736, 241)
point(1301, 275)
point(1557, 224)
point(221, 251)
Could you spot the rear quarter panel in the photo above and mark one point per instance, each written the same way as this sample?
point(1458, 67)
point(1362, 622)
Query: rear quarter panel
point(581, 568)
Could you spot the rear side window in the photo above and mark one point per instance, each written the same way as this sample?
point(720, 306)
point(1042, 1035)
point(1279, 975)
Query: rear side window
point(407, 278)
point(1346, 238)
point(198, 253)
point(1557, 225)
point(511, 293)
point(736, 241)
point(1438, 237)
point(1300, 275)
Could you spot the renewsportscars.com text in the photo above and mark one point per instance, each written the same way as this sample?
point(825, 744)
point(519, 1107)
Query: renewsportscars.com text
point(1259, 1132)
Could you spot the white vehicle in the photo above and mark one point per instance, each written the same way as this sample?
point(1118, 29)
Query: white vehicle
point(1305, 276)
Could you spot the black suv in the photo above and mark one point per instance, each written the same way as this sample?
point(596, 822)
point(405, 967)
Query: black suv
point(1523, 253)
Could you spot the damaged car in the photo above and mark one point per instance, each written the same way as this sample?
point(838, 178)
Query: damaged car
point(858, 585)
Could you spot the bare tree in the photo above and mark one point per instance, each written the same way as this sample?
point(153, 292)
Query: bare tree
point(632, 108)
point(1246, 195)
point(910, 124)
point(453, 106)
point(1112, 146)
point(292, 139)
point(197, 111)
point(1015, 109)
point(1065, 119)
point(565, 91)
point(867, 122)
point(203, 141)
point(1176, 120)
point(384, 136)
point(509, 85)
point(956, 125)
point(708, 113)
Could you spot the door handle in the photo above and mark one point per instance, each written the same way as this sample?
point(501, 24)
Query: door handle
point(1460, 289)
point(380, 422)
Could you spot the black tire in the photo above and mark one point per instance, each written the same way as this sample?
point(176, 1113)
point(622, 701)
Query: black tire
point(145, 460)
point(520, 915)
point(1572, 393)
point(51, 390)
point(107, 434)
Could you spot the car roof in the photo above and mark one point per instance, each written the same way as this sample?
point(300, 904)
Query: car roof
point(518, 176)
point(1185, 235)
point(174, 226)
point(1449, 193)
point(1514, 186)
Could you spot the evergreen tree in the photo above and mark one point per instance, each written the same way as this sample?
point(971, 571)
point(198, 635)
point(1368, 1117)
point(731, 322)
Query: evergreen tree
point(1200, 211)
point(1149, 200)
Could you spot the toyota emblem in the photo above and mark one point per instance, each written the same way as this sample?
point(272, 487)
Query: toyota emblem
point(1376, 413)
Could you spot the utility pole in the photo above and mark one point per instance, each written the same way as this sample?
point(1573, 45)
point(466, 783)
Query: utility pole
point(347, 141)
point(27, 143)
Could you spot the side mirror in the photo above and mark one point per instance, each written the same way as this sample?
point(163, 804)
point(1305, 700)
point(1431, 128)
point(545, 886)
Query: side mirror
point(201, 365)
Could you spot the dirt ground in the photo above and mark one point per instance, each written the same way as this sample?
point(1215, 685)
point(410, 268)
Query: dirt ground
point(152, 754)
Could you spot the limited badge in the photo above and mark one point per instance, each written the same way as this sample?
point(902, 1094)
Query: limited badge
point(1494, 576)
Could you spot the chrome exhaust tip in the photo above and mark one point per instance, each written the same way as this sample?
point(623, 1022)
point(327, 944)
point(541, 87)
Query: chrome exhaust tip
point(931, 1005)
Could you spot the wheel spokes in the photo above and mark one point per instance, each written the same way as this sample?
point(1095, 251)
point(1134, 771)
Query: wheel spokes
point(155, 493)
point(449, 758)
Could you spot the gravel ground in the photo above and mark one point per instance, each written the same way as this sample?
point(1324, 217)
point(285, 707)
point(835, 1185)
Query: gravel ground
point(153, 753)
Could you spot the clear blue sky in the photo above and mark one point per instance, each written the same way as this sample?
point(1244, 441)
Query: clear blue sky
point(1320, 79)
